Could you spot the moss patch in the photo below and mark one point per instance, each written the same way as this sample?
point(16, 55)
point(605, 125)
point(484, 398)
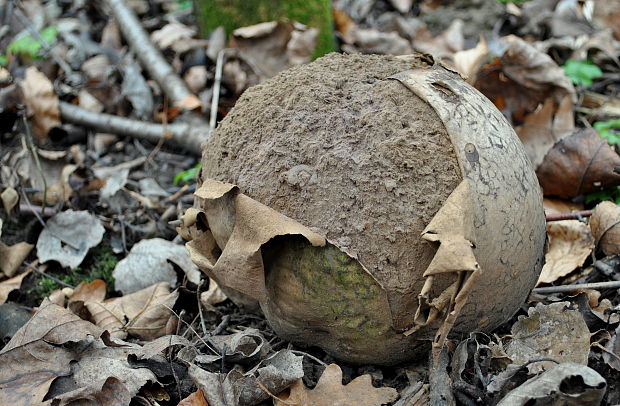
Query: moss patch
point(232, 14)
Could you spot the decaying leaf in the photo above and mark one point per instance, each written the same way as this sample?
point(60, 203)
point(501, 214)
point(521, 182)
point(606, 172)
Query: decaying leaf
point(150, 262)
point(243, 347)
point(330, 391)
point(68, 236)
point(275, 374)
point(143, 314)
point(522, 78)
point(612, 357)
point(13, 256)
point(467, 62)
point(605, 226)
point(36, 355)
point(558, 386)
point(583, 161)
point(570, 244)
point(274, 46)
point(195, 399)
point(549, 331)
point(10, 285)
point(42, 102)
point(544, 127)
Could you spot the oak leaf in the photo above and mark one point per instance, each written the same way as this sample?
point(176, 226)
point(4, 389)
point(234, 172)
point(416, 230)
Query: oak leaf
point(330, 391)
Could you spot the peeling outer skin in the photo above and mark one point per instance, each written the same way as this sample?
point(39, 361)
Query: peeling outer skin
point(485, 268)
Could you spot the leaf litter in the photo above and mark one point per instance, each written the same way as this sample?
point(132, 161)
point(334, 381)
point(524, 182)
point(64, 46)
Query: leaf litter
point(52, 167)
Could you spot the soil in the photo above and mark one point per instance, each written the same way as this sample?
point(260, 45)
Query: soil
point(355, 156)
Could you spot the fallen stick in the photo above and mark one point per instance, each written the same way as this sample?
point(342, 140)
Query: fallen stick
point(151, 58)
point(184, 135)
point(578, 215)
point(580, 286)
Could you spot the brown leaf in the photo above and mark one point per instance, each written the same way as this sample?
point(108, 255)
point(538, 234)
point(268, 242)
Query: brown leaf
point(604, 224)
point(89, 291)
point(9, 199)
point(544, 127)
point(330, 391)
point(195, 399)
point(13, 256)
point(607, 13)
point(467, 63)
point(522, 78)
point(580, 163)
point(10, 285)
point(570, 243)
point(147, 312)
point(213, 295)
point(42, 102)
point(549, 331)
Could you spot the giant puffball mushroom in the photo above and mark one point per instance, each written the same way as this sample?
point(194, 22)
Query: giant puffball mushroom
point(369, 204)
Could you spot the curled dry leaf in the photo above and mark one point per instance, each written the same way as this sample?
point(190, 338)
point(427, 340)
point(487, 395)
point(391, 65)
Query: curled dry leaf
point(605, 226)
point(10, 285)
point(584, 163)
point(329, 391)
point(549, 331)
point(143, 314)
point(42, 102)
point(467, 62)
point(557, 387)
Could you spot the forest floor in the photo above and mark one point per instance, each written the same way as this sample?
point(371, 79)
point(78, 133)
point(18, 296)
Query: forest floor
point(100, 148)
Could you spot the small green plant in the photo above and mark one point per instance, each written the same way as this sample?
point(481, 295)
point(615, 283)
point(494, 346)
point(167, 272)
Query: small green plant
point(581, 73)
point(610, 130)
point(188, 175)
point(612, 194)
point(4, 61)
point(26, 45)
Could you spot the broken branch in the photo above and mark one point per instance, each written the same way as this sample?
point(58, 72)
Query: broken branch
point(183, 135)
point(577, 215)
point(150, 58)
point(579, 286)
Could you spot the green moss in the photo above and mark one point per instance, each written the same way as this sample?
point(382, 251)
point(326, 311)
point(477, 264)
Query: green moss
point(232, 14)
point(99, 264)
point(334, 287)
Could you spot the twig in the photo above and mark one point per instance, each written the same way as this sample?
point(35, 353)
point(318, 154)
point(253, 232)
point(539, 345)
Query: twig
point(260, 385)
point(221, 327)
point(150, 57)
point(32, 209)
point(40, 272)
point(215, 98)
point(202, 319)
point(312, 357)
point(35, 157)
point(577, 215)
point(580, 286)
point(184, 135)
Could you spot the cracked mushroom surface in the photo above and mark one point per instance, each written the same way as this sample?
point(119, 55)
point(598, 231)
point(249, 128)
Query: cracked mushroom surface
point(369, 203)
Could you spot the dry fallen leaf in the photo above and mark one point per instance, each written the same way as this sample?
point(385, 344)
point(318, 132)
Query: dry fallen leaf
point(195, 399)
point(580, 163)
point(467, 62)
point(549, 331)
point(149, 262)
point(522, 78)
point(330, 391)
point(213, 295)
point(558, 386)
point(42, 102)
point(544, 127)
point(13, 256)
point(143, 314)
point(604, 224)
point(68, 236)
point(10, 285)
point(570, 243)
point(9, 199)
